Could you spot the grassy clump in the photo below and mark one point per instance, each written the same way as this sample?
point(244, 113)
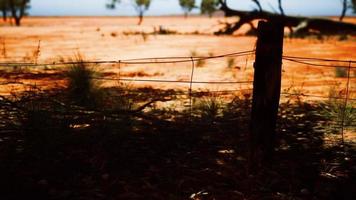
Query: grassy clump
point(83, 89)
point(199, 62)
point(337, 113)
point(163, 31)
point(209, 108)
point(231, 62)
point(343, 37)
point(340, 72)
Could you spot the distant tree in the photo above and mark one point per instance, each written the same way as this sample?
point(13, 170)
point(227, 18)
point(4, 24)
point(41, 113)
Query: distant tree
point(4, 6)
point(347, 4)
point(344, 9)
point(141, 6)
point(18, 9)
point(353, 5)
point(187, 6)
point(209, 7)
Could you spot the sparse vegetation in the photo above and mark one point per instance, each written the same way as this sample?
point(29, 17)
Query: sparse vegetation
point(208, 108)
point(82, 86)
point(199, 62)
point(163, 31)
point(340, 72)
point(3, 49)
point(230, 62)
point(343, 37)
point(113, 34)
point(93, 136)
point(37, 52)
point(209, 7)
point(187, 6)
point(141, 6)
point(336, 112)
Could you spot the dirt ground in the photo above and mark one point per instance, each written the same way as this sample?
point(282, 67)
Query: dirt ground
point(161, 158)
point(52, 39)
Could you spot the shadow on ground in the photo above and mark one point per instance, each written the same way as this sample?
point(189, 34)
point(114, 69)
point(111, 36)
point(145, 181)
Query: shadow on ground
point(51, 149)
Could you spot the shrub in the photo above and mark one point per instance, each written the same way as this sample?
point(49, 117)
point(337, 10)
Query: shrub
point(230, 62)
point(199, 62)
point(340, 72)
point(208, 108)
point(3, 50)
point(82, 87)
point(123, 102)
point(163, 31)
point(343, 37)
point(335, 111)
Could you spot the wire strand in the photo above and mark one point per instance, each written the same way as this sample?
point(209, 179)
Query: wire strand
point(132, 61)
point(172, 81)
point(319, 59)
point(318, 65)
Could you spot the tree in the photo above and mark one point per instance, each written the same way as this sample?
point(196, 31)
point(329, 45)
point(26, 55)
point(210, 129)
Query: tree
point(209, 7)
point(4, 6)
point(344, 9)
point(346, 5)
point(353, 5)
point(18, 9)
point(298, 24)
point(257, 2)
point(280, 7)
point(141, 6)
point(187, 6)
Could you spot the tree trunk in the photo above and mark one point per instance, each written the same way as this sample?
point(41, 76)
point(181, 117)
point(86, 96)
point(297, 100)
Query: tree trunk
point(17, 21)
point(280, 7)
point(140, 18)
point(4, 15)
point(344, 9)
point(18, 14)
point(300, 24)
point(14, 13)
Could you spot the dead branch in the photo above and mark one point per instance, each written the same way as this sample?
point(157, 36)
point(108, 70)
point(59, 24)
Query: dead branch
point(301, 25)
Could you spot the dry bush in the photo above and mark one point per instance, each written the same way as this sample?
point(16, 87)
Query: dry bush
point(231, 62)
point(83, 87)
point(3, 50)
point(198, 62)
point(209, 107)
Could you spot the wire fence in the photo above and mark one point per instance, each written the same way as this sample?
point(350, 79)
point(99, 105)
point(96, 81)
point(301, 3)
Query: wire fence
point(346, 65)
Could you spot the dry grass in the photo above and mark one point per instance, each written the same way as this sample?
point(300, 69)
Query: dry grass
point(54, 34)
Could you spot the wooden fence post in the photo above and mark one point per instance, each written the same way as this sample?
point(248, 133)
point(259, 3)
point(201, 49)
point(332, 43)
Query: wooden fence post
point(266, 91)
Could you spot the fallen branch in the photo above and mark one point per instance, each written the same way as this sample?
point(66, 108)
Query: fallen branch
point(298, 25)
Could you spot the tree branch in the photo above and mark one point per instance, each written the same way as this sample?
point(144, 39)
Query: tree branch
point(321, 25)
point(280, 7)
point(257, 2)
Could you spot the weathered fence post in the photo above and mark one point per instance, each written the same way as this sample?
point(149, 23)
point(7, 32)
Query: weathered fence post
point(266, 91)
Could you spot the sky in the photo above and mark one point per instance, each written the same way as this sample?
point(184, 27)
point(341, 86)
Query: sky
point(171, 7)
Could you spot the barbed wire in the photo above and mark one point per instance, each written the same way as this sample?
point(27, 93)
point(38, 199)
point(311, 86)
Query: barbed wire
point(319, 59)
point(184, 59)
point(318, 65)
point(316, 96)
point(136, 61)
point(177, 59)
point(172, 81)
